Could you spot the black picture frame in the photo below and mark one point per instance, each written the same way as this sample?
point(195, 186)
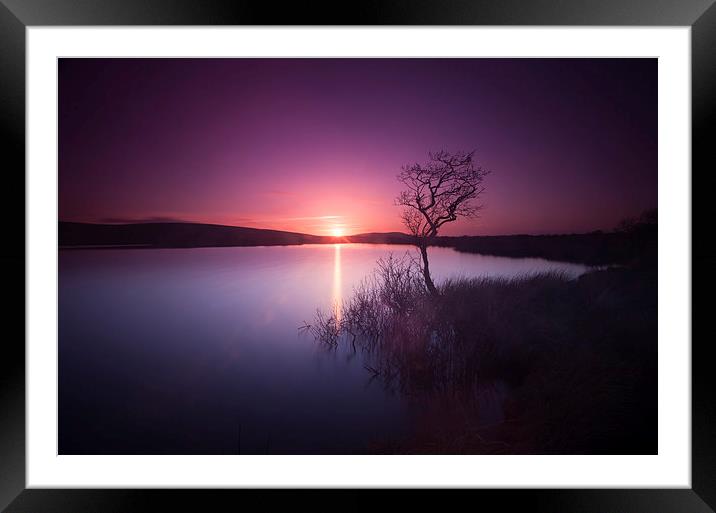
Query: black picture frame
point(17, 15)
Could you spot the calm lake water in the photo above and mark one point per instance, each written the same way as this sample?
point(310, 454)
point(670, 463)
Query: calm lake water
point(197, 351)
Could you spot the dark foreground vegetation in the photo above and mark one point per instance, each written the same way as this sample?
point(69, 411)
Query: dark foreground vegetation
point(539, 364)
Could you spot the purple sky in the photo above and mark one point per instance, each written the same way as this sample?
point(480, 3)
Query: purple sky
point(312, 145)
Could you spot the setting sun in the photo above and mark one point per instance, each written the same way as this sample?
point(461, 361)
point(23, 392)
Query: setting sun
point(337, 231)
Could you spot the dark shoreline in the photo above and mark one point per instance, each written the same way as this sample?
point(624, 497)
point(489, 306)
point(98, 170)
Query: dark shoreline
point(597, 248)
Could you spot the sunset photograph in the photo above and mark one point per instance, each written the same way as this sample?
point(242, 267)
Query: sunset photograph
point(367, 256)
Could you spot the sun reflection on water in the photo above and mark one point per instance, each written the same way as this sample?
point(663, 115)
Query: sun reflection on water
point(337, 281)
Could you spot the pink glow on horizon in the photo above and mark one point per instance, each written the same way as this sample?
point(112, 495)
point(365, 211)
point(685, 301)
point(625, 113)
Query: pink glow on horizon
point(314, 145)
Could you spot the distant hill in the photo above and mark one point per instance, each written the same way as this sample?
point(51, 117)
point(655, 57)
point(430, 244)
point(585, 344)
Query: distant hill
point(177, 235)
point(381, 238)
point(191, 235)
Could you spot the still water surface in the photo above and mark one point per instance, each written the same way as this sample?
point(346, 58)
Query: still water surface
point(197, 351)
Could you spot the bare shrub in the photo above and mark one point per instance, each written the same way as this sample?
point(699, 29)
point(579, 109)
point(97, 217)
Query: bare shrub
point(326, 327)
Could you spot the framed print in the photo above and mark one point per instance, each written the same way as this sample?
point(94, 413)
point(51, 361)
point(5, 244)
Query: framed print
point(420, 247)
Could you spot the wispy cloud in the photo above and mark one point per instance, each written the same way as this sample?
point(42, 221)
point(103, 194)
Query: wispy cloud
point(141, 220)
point(309, 218)
point(259, 219)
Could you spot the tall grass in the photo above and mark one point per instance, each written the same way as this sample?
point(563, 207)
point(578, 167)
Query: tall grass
point(576, 357)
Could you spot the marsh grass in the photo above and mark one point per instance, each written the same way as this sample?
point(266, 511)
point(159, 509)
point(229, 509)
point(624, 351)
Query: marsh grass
point(576, 359)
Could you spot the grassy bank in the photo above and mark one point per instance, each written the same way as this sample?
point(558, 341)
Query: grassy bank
point(539, 364)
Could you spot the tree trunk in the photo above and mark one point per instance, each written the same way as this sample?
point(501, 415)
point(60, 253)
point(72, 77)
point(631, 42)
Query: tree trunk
point(426, 269)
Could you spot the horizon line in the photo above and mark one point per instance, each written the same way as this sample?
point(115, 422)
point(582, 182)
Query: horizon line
point(181, 221)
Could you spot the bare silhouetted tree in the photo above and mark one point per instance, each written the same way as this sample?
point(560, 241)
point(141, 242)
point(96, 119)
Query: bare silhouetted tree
point(439, 192)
